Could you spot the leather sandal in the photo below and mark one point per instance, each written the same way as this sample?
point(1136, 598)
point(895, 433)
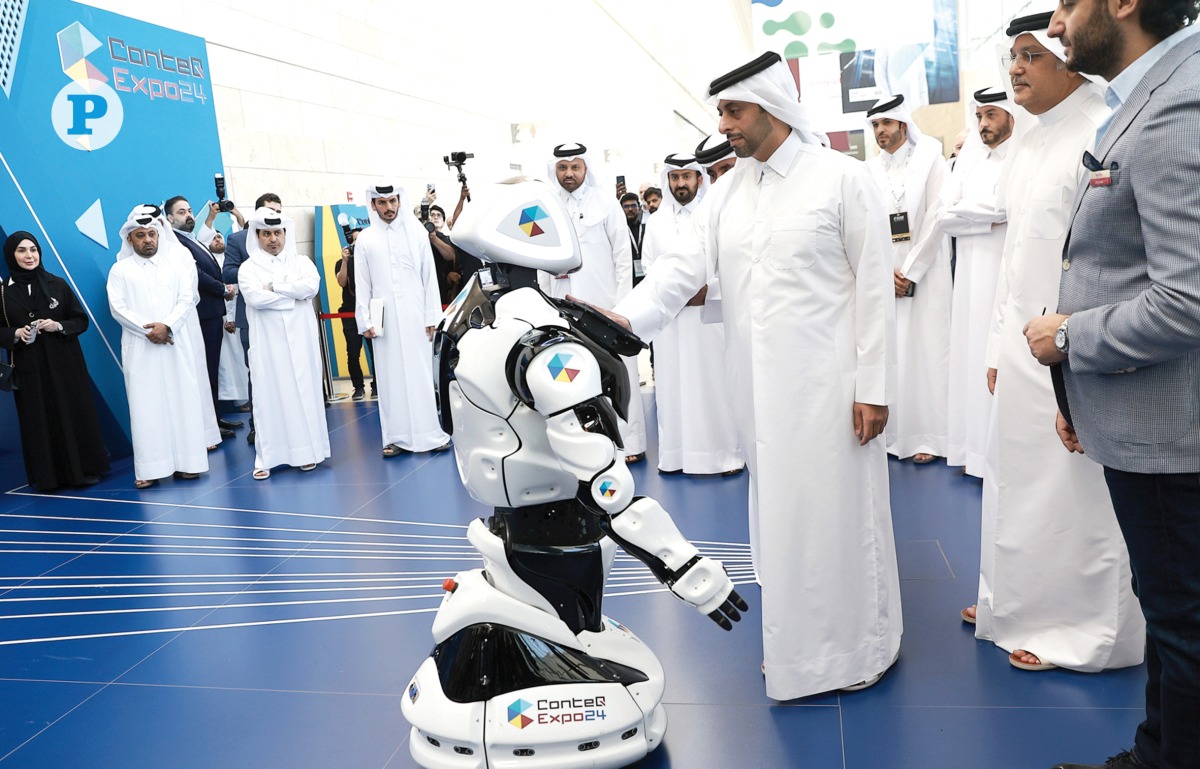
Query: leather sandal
point(142, 485)
point(1020, 664)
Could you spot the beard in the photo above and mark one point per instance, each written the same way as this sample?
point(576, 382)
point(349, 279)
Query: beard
point(1095, 45)
point(993, 138)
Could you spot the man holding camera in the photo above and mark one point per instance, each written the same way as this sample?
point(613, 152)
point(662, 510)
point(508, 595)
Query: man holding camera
point(213, 293)
point(344, 272)
point(454, 266)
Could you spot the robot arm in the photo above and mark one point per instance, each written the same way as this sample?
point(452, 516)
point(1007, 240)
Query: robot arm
point(645, 530)
point(562, 381)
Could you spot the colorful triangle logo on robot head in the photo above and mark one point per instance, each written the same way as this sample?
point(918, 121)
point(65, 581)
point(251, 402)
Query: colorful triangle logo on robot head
point(529, 220)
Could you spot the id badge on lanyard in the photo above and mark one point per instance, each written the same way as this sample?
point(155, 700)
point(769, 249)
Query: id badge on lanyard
point(900, 229)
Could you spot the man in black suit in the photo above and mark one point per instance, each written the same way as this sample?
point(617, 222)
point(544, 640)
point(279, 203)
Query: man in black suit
point(213, 293)
point(235, 254)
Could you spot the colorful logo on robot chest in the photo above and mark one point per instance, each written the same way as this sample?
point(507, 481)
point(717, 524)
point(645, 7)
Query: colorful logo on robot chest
point(608, 488)
point(558, 368)
point(618, 625)
point(529, 220)
point(546, 712)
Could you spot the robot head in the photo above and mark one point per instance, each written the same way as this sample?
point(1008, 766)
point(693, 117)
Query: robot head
point(522, 223)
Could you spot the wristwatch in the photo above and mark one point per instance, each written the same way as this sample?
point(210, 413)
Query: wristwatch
point(1061, 343)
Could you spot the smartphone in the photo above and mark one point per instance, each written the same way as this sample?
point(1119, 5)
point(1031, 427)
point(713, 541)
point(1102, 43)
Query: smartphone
point(33, 332)
point(430, 188)
point(620, 180)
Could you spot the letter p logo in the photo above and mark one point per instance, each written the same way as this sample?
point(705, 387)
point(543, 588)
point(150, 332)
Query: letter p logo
point(87, 114)
point(85, 107)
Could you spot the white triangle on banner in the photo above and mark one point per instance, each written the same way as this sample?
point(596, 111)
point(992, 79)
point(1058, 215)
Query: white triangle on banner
point(91, 224)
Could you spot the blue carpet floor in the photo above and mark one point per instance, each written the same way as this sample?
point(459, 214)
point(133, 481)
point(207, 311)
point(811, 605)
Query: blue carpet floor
point(229, 623)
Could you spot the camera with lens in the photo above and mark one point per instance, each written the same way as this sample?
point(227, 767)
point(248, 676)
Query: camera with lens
point(223, 203)
point(457, 160)
point(349, 227)
point(425, 216)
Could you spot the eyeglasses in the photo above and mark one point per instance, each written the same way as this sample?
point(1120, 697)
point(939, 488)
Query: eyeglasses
point(1025, 57)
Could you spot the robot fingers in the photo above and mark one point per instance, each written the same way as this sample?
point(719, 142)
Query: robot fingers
point(719, 618)
point(730, 611)
point(704, 584)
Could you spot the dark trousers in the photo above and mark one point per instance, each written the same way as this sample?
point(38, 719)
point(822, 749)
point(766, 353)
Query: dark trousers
point(212, 329)
point(244, 335)
point(1160, 518)
point(354, 345)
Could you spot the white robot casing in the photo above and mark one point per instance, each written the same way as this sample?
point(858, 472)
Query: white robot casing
point(560, 726)
point(521, 224)
point(527, 671)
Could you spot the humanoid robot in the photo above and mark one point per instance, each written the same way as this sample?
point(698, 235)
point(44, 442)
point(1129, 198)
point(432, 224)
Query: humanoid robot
point(526, 670)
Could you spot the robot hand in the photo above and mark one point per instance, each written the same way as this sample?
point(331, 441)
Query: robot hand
point(703, 583)
point(647, 532)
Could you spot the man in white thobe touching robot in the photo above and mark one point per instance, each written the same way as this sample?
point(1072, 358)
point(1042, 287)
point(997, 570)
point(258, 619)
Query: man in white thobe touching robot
point(797, 236)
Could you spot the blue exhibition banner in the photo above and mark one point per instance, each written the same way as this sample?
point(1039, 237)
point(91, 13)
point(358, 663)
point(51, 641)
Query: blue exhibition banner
point(330, 224)
point(98, 113)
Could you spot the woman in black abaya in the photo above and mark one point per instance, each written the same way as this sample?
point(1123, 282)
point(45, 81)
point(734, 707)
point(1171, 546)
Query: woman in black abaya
point(60, 434)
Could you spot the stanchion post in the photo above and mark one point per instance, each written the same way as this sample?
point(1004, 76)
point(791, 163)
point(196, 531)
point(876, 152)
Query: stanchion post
point(327, 372)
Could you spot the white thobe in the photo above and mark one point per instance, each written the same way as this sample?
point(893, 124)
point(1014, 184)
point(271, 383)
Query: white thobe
point(233, 378)
point(696, 431)
point(1054, 572)
point(401, 273)
point(800, 247)
point(285, 360)
point(969, 214)
point(912, 181)
point(604, 278)
point(160, 379)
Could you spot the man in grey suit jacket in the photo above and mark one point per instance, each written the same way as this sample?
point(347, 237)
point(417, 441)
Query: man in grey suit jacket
point(1127, 335)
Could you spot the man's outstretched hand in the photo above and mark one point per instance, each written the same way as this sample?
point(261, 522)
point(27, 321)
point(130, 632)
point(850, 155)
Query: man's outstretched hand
point(620, 320)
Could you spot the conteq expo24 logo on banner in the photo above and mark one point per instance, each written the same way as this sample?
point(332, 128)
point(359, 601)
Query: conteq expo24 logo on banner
point(98, 113)
point(87, 113)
